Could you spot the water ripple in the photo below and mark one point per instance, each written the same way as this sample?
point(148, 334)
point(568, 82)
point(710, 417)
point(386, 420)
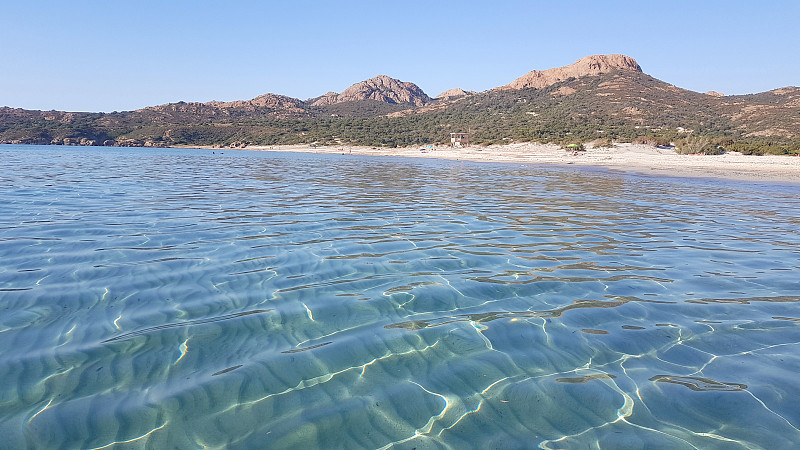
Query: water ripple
point(184, 324)
point(189, 299)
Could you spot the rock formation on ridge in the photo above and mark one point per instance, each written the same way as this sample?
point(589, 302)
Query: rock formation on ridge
point(452, 94)
point(271, 101)
point(276, 105)
point(587, 66)
point(382, 88)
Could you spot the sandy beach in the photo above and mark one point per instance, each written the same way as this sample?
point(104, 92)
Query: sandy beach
point(627, 157)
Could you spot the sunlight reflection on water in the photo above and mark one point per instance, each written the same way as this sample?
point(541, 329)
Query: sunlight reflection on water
point(163, 298)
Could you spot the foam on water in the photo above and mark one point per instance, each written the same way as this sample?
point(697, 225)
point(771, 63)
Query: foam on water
point(184, 298)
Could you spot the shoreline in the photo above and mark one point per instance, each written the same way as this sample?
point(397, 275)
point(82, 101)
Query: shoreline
point(637, 158)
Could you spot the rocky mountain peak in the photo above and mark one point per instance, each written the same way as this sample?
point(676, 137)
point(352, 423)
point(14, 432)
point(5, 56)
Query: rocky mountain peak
point(381, 88)
point(452, 94)
point(588, 66)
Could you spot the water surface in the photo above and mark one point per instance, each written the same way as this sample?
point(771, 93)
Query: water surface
point(160, 298)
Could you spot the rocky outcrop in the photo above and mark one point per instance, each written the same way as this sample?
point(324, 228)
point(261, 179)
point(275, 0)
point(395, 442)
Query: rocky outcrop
point(277, 103)
point(269, 101)
point(715, 94)
point(381, 88)
point(453, 94)
point(588, 66)
point(181, 107)
point(327, 99)
point(272, 104)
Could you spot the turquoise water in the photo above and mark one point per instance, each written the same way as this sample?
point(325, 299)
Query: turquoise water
point(183, 298)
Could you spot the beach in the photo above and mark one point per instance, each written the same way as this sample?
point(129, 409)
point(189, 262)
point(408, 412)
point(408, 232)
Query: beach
point(626, 157)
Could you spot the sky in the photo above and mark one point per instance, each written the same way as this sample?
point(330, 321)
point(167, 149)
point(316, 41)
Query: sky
point(109, 55)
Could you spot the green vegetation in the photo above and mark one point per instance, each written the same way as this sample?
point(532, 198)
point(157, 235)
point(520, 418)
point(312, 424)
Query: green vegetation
point(616, 107)
point(765, 147)
point(574, 147)
point(698, 146)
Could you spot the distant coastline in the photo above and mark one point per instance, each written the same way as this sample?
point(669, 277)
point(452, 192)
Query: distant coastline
point(601, 99)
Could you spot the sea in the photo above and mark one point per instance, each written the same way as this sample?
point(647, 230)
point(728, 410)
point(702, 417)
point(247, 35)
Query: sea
point(197, 298)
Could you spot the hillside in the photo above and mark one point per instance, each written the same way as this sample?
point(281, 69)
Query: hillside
point(600, 97)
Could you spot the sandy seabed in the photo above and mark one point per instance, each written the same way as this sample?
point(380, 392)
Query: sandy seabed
point(626, 157)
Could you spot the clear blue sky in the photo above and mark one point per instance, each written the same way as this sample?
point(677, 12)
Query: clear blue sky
point(106, 55)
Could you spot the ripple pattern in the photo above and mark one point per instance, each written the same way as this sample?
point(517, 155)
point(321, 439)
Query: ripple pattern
point(164, 298)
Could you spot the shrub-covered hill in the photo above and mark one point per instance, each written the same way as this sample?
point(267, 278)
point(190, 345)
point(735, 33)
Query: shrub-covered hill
point(618, 105)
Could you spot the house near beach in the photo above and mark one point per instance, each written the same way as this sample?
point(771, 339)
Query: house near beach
point(458, 140)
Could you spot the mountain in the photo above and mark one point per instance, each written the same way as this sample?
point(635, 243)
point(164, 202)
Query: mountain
point(599, 97)
point(589, 66)
point(381, 88)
